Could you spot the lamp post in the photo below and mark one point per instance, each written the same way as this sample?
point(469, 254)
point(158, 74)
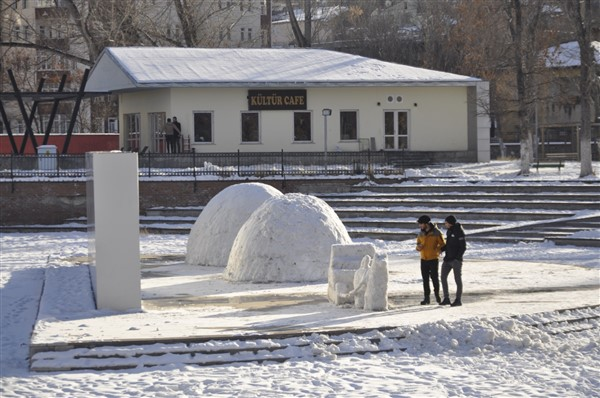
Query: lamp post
point(326, 112)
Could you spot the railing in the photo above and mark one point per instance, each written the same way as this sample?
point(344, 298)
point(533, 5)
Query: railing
point(223, 165)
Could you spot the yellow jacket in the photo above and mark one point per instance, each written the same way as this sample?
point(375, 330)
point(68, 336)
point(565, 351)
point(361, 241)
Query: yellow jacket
point(431, 243)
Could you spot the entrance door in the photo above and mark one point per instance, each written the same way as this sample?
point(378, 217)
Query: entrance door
point(396, 130)
point(156, 122)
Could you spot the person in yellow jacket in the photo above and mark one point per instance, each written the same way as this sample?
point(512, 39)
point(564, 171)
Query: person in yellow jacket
point(429, 243)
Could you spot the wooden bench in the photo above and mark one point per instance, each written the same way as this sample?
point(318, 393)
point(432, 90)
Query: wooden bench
point(552, 160)
point(562, 156)
point(540, 165)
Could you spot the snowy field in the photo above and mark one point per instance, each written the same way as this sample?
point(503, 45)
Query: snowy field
point(477, 356)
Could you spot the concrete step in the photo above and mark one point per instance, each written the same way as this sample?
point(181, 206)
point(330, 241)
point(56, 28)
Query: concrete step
point(451, 203)
point(463, 215)
point(539, 197)
point(406, 224)
point(174, 211)
point(501, 187)
point(274, 347)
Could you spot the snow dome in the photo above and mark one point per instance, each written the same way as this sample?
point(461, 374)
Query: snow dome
point(287, 239)
point(214, 231)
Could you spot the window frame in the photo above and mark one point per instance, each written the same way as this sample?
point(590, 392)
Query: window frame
point(212, 127)
point(356, 133)
point(258, 135)
point(294, 125)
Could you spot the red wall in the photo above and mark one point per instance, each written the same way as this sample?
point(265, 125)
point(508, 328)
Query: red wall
point(80, 143)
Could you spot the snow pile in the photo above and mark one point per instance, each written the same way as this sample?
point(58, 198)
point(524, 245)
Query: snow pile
point(287, 239)
point(215, 230)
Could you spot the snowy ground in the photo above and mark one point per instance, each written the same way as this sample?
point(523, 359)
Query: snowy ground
point(474, 350)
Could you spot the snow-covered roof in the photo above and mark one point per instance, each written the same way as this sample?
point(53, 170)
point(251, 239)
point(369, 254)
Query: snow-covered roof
point(127, 68)
point(567, 55)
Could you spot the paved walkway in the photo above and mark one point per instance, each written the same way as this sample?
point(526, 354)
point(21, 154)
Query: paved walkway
point(182, 302)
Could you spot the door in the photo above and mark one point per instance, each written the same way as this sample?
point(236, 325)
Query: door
point(395, 130)
point(156, 121)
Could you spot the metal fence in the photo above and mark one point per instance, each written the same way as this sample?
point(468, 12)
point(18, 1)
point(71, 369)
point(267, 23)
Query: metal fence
point(232, 164)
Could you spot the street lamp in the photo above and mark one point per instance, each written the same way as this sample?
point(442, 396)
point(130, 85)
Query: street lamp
point(326, 112)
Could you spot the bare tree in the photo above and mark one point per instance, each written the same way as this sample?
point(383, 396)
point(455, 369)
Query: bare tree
point(580, 12)
point(301, 39)
point(523, 20)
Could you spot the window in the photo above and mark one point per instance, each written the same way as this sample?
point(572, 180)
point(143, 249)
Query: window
point(396, 129)
point(348, 125)
point(203, 127)
point(302, 130)
point(113, 125)
point(242, 33)
point(249, 34)
point(16, 33)
point(132, 122)
point(60, 124)
point(250, 127)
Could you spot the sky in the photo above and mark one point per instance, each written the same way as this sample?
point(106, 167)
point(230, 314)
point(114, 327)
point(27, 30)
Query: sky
point(487, 347)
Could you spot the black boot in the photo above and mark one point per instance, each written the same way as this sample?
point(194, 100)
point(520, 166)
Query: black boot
point(446, 301)
point(425, 301)
point(456, 303)
point(438, 299)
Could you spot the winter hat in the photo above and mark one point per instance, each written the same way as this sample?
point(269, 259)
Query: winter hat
point(451, 220)
point(423, 219)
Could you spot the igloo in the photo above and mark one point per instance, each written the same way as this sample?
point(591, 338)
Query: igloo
point(287, 239)
point(217, 226)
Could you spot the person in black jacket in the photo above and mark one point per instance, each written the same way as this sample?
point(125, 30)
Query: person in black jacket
point(455, 248)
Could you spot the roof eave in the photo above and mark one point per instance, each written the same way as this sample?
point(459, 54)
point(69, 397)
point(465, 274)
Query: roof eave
point(393, 83)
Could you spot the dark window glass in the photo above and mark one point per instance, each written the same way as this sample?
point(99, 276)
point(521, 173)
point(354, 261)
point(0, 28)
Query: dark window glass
point(302, 130)
point(348, 125)
point(250, 127)
point(203, 127)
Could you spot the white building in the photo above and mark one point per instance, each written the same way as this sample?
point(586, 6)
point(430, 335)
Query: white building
point(267, 100)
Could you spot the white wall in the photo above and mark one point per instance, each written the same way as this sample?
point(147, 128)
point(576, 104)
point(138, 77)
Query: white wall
point(437, 116)
point(113, 229)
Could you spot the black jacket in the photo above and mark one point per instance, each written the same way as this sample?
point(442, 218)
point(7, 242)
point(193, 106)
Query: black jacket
point(455, 243)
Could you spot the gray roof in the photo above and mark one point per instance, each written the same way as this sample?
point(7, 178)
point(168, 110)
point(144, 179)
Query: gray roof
point(130, 68)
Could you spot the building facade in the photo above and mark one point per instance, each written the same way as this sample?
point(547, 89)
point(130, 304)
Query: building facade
point(297, 100)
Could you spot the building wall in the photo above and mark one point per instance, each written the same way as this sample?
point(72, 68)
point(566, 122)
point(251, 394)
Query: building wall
point(26, 203)
point(79, 144)
point(438, 117)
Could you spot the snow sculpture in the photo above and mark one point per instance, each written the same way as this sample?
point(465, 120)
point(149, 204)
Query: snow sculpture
point(344, 261)
point(360, 282)
point(214, 232)
point(287, 239)
point(366, 285)
point(377, 285)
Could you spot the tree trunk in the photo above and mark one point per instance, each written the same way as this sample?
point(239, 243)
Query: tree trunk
point(308, 23)
point(581, 14)
point(299, 37)
point(515, 16)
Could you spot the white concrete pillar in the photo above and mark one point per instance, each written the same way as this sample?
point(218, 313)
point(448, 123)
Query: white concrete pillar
point(113, 229)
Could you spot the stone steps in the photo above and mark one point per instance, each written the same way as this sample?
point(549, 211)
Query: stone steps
point(275, 347)
point(389, 212)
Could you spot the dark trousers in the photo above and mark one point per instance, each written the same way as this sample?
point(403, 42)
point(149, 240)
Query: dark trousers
point(177, 143)
point(429, 269)
point(170, 143)
point(456, 266)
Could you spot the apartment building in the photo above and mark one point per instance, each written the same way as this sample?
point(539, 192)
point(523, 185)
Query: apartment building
point(47, 47)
